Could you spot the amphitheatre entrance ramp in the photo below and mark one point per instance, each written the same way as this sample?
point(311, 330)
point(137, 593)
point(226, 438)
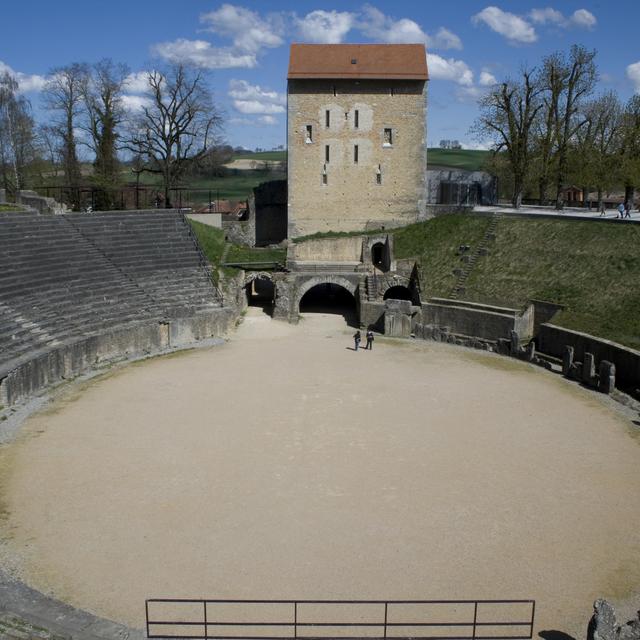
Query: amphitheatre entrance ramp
point(340, 619)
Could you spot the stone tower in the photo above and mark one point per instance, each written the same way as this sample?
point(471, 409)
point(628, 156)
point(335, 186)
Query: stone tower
point(356, 135)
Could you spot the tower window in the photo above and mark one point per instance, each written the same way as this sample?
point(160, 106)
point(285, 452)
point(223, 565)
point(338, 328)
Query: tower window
point(326, 153)
point(388, 138)
point(309, 134)
point(324, 175)
point(327, 118)
point(355, 153)
point(379, 175)
point(356, 119)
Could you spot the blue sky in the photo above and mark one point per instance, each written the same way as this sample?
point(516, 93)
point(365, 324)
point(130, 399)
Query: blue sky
point(244, 46)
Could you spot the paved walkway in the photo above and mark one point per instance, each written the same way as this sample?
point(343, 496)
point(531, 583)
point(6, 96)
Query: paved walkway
point(567, 212)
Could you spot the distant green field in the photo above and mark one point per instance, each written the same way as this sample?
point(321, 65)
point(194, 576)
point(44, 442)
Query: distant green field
point(468, 159)
point(277, 156)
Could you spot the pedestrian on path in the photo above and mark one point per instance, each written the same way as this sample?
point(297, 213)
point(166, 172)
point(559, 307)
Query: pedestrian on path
point(603, 211)
point(621, 210)
point(356, 338)
point(369, 340)
point(627, 209)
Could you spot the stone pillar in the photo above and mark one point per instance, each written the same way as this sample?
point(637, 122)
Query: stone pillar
point(607, 382)
point(567, 361)
point(530, 351)
point(588, 368)
point(515, 344)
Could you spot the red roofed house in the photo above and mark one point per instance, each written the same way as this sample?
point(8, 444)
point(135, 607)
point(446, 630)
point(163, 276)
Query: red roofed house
point(356, 136)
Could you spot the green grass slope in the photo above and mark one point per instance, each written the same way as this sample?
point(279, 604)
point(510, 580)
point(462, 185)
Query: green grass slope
point(593, 268)
point(469, 159)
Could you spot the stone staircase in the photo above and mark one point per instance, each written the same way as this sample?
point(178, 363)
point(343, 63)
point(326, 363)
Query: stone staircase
point(371, 287)
point(471, 260)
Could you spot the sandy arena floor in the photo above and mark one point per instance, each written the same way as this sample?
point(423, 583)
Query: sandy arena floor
point(285, 465)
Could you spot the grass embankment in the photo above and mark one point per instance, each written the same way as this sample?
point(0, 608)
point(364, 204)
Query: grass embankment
point(212, 242)
point(10, 207)
point(434, 244)
point(593, 268)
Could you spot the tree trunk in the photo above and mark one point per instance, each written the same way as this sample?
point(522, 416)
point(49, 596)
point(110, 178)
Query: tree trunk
point(629, 194)
point(600, 200)
point(585, 198)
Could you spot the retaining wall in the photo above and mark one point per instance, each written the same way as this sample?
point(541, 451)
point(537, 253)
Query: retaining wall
point(69, 360)
point(472, 319)
point(553, 339)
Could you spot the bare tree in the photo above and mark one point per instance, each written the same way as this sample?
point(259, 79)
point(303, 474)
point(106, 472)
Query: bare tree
point(630, 148)
point(104, 114)
point(17, 148)
point(578, 77)
point(63, 95)
point(594, 153)
point(507, 115)
point(177, 127)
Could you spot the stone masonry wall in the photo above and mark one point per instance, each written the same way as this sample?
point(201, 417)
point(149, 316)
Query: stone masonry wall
point(352, 198)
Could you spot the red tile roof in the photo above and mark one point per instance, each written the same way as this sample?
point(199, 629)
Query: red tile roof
point(385, 61)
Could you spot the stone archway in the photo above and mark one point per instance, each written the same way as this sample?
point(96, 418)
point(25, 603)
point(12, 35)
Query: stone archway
point(397, 292)
point(329, 294)
point(260, 290)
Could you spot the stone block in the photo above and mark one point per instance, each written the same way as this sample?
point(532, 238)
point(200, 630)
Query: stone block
point(588, 368)
point(567, 360)
point(514, 346)
point(607, 378)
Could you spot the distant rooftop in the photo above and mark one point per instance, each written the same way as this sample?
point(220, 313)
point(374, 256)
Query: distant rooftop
point(365, 61)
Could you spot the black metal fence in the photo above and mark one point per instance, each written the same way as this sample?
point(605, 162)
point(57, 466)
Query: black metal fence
point(130, 197)
point(340, 619)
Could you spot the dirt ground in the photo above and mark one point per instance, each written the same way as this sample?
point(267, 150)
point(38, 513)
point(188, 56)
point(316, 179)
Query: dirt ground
point(285, 465)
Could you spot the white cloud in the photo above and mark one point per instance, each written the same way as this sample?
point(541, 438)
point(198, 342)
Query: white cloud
point(546, 16)
point(583, 18)
point(468, 94)
point(249, 31)
point(135, 103)
point(514, 28)
point(378, 26)
point(580, 18)
point(137, 82)
point(444, 39)
point(325, 27)
point(251, 99)
point(270, 120)
point(26, 82)
point(256, 106)
point(200, 53)
point(633, 73)
point(487, 78)
point(449, 69)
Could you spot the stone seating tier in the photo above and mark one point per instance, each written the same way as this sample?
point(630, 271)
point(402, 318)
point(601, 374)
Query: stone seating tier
point(65, 277)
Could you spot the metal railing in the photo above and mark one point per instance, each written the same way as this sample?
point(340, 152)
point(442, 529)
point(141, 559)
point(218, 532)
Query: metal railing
point(339, 619)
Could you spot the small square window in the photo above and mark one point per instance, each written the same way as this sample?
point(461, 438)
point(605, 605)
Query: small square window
point(309, 133)
point(388, 138)
point(356, 119)
point(326, 153)
point(355, 154)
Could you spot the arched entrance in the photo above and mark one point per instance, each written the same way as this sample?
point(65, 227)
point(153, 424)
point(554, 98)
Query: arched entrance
point(261, 292)
point(329, 297)
point(397, 292)
point(377, 255)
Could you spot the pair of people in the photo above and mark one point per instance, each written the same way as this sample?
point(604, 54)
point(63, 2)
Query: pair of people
point(358, 338)
point(624, 210)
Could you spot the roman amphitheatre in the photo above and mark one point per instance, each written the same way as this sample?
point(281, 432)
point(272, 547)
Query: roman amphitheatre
point(180, 425)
